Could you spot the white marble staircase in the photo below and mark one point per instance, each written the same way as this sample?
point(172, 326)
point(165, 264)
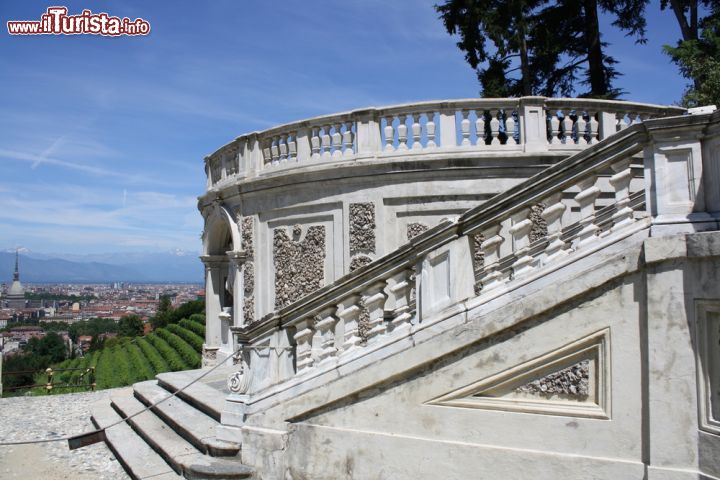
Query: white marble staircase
point(176, 438)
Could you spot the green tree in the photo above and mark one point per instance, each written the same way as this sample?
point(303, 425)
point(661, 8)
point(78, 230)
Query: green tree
point(162, 315)
point(697, 54)
point(550, 43)
point(51, 348)
point(130, 326)
point(506, 24)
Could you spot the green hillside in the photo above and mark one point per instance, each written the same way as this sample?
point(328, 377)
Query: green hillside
point(177, 346)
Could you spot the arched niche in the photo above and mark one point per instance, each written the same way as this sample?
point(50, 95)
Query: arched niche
point(220, 237)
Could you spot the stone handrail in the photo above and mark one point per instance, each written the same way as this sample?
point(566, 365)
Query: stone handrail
point(418, 282)
point(531, 124)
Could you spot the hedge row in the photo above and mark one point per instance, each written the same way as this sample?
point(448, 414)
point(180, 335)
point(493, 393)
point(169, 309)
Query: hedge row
point(157, 362)
point(104, 370)
point(195, 341)
point(173, 359)
point(189, 355)
point(140, 368)
point(121, 366)
point(195, 327)
point(198, 317)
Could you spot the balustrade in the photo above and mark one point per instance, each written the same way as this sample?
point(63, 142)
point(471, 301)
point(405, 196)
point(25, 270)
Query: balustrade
point(326, 325)
point(475, 125)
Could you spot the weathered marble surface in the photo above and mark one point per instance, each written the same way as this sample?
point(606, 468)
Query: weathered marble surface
point(54, 416)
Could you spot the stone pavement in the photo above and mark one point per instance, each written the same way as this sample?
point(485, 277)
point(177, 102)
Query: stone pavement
point(27, 418)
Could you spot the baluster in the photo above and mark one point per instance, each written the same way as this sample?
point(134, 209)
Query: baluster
point(510, 127)
point(586, 199)
point(634, 118)
point(480, 127)
point(348, 312)
point(315, 143)
point(581, 124)
point(303, 344)
point(399, 287)
point(275, 150)
point(325, 335)
point(348, 139)
point(520, 231)
point(465, 128)
point(430, 128)
point(416, 129)
point(623, 215)
point(292, 146)
point(326, 142)
point(621, 123)
point(555, 129)
point(567, 124)
point(552, 214)
point(283, 148)
point(374, 302)
point(389, 133)
point(490, 247)
point(402, 132)
point(267, 156)
point(494, 127)
point(337, 141)
point(594, 128)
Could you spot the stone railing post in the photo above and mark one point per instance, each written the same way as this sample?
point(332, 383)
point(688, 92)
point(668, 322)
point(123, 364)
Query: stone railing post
point(367, 133)
point(302, 142)
point(607, 124)
point(447, 128)
point(255, 156)
point(533, 124)
point(675, 188)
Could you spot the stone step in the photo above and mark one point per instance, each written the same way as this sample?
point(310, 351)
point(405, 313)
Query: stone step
point(193, 425)
point(206, 399)
point(137, 458)
point(182, 456)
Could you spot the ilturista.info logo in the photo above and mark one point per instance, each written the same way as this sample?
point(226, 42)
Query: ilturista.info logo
point(56, 21)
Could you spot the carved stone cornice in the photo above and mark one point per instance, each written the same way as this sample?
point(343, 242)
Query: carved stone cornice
point(214, 261)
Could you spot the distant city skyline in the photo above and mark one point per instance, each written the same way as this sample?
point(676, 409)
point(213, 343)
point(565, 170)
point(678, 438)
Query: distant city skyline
point(102, 139)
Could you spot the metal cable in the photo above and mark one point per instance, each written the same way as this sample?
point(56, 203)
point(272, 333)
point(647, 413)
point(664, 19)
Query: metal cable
point(100, 430)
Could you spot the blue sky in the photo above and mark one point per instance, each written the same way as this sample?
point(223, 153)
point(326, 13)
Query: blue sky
point(102, 139)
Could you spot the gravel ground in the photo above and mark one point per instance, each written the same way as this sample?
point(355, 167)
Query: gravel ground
point(55, 416)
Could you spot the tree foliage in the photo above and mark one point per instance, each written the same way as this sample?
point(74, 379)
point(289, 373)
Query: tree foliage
point(697, 54)
point(130, 326)
point(552, 44)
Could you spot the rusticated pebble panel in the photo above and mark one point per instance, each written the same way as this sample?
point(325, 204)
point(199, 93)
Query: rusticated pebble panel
point(248, 244)
point(299, 264)
point(478, 257)
point(362, 228)
point(359, 262)
point(414, 229)
point(539, 225)
point(573, 381)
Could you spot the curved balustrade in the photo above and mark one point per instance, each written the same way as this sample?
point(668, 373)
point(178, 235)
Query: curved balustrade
point(531, 124)
point(391, 297)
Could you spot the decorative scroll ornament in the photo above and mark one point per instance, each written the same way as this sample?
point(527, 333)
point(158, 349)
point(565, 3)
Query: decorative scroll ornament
point(239, 381)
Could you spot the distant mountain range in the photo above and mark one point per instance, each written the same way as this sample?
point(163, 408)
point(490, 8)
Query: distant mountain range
point(177, 266)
